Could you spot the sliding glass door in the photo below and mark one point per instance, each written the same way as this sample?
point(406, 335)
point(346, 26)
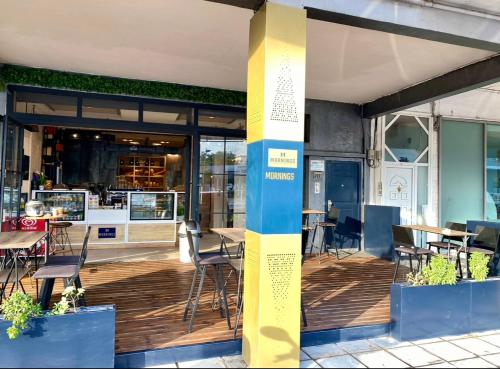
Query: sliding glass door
point(223, 168)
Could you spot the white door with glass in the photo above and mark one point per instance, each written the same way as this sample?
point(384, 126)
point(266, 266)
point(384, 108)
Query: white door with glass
point(399, 191)
point(406, 166)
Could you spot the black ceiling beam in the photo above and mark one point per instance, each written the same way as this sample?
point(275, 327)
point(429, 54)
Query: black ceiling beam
point(247, 4)
point(458, 81)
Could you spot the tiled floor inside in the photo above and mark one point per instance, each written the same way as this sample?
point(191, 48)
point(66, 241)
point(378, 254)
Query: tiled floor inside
point(480, 350)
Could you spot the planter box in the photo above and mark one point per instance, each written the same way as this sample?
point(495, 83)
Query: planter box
point(83, 340)
point(436, 311)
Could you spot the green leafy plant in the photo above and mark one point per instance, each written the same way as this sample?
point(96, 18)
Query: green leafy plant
point(478, 264)
point(70, 297)
point(440, 272)
point(19, 308)
point(14, 74)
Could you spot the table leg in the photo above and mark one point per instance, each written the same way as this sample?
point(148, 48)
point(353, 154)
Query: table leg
point(16, 255)
point(466, 258)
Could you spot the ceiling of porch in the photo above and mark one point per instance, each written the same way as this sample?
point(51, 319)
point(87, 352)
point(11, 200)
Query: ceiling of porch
point(201, 43)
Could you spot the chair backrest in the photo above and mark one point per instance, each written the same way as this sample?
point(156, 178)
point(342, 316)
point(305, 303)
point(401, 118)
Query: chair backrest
point(85, 248)
point(455, 227)
point(305, 239)
point(402, 236)
point(487, 238)
point(195, 228)
point(193, 254)
point(333, 215)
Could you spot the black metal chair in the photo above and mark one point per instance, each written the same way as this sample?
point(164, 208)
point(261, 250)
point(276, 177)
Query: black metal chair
point(202, 262)
point(329, 225)
point(449, 242)
point(404, 244)
point(64, 267)
point(486, 242)
point(59, 236)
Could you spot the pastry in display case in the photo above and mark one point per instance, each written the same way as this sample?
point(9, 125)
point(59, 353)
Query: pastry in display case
point(152, 206)
point(72, 203)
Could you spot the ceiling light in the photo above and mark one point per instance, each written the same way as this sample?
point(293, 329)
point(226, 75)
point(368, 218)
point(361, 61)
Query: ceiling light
point(97, 137)
point(125, 140)
point(156, 144)
point(75, 135)
point(134, 143)
point(211, 117)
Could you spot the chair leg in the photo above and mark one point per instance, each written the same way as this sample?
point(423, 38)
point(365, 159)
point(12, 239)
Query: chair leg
point(303, 310)
point(78, 285)
point(198, 296)
point(46, 293)
point(238, 317)
point(224, 296)
point(397, 268)
point(335, 244)
point(190, 297)
point(459, 266)
point(411, 264)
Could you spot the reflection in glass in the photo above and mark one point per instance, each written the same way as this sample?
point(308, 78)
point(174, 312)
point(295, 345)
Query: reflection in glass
point(45, 104)
point(406, 138)
point(492, 197)
point(110, 109)
point(223, 167)
point(155, 113)
point(222, 119)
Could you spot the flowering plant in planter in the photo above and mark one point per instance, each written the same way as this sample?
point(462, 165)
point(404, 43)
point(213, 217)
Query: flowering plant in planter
point(19, 308)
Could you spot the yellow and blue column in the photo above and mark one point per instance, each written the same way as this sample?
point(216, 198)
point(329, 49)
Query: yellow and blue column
point(275, 135)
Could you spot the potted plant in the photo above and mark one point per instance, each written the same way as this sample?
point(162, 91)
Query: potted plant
point(433, 304)
point(67, 336)
point(42, 180)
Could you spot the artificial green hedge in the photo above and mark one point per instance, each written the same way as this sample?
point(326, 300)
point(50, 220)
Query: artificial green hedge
point(13, 74)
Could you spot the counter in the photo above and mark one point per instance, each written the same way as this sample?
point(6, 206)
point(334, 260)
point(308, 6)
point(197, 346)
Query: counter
point(148, 217)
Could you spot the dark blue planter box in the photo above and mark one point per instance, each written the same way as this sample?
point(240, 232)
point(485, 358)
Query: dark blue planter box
point(83, 340)
point(436, 311)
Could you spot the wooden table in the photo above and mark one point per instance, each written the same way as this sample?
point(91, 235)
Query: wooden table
point(447, 233)
point(18, 241)
point(236, 235)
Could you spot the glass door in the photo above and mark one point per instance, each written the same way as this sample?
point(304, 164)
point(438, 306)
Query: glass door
point(223, 168)
point(11, 163)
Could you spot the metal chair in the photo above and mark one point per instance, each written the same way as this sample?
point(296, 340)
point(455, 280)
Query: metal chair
point(65, 268)
point(404, 244)
point(486, 242)
point(202, 262)
point(330, 224)
point(449, 242)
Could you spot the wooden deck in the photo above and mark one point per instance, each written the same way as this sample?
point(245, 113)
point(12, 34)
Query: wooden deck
point(150, 299)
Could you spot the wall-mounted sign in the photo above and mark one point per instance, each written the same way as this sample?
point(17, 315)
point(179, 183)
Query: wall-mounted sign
point(317, 165)
point(106, 233)
point(281, 158)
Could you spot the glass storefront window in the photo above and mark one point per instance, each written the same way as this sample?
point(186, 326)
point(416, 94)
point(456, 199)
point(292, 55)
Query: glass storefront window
point(223, 167)
point(163, 114)
point(222, 119)
point(493, 173)
point(110, 109)
point(407, 139)
point(45, 104)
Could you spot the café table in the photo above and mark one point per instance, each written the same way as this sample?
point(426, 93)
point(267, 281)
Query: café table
point(447, 233)
point(306, 214)
point(236, 235)
point(15, 242)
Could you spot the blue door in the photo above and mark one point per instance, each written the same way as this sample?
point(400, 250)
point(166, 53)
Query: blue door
point(343, 191)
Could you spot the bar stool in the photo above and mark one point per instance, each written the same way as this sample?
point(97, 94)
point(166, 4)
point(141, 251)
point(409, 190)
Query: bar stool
point(330, 224)
point(59, 235)
point(202, 262)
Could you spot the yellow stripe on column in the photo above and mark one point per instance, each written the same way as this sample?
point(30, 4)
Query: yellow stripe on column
point(272, 300)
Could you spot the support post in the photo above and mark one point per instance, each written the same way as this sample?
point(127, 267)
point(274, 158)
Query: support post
point(275, 130)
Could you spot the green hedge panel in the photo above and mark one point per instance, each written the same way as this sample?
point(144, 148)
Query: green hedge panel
point(13, 74)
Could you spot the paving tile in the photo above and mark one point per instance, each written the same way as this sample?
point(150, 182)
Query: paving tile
point(494, 359)
point(304, 356)
point(206, 363)
point(380, 359)
point(354, 347)
point(457, 337)
point(415, 356)
point(493, 339)
point(429, 340)
point(441, 365)
point(447, 351)
point(477, 346)
point(473, 363)
point(322, 351)
point(309, 364)
point(344, 361)
point(234, 361)
point(388, 342)
point(486, 333)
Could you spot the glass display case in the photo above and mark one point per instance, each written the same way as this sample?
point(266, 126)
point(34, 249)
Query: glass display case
point(152, 206)
point(73, 203)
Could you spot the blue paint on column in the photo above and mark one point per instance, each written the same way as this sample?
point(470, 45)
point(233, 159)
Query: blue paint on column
point(274, 195)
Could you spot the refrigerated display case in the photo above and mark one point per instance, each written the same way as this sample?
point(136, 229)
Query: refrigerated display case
point(73, 203)
point(151, 206)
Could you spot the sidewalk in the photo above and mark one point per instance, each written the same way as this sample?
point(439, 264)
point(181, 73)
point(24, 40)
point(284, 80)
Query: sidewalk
point(480, 350)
